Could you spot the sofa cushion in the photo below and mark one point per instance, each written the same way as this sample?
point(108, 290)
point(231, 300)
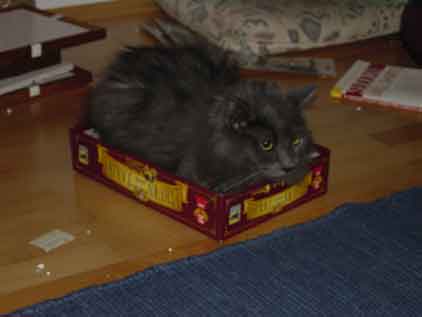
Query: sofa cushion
point(276, 26)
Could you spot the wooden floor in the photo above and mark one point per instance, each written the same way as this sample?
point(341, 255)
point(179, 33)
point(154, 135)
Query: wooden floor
point(374, 152)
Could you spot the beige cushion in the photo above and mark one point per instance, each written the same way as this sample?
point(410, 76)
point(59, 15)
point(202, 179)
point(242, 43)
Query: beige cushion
point(276, 26)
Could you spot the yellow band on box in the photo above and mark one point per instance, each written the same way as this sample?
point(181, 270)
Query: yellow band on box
point(336, 93)
point(275, 203)
point(142, 186)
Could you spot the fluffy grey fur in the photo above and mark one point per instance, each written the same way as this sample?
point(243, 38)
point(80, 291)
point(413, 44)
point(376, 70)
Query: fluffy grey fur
point(185, 108)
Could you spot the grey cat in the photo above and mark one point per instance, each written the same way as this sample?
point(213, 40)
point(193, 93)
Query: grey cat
point(183, 106)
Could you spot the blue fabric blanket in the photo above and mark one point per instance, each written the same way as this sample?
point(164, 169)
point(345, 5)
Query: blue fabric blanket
point(360, 260)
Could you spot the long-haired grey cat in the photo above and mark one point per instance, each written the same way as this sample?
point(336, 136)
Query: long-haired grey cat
point(183, 106)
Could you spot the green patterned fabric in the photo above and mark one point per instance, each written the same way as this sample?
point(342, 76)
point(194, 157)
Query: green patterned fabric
point(275, 26)
point(387, 2)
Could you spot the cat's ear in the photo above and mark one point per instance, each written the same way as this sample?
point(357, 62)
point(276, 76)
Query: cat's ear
point(238, 115)
point(301, 97)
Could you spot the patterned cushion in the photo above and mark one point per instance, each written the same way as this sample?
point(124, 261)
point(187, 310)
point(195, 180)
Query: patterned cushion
point(275, 26)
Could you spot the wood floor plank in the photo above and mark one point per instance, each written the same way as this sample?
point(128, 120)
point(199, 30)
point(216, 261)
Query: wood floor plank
point(400, 135)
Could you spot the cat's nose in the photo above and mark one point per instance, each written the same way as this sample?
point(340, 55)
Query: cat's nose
point(289, 163)
point(287, 160)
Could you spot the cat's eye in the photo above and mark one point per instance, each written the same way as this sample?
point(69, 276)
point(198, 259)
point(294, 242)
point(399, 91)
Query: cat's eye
point(297, 141)
point(267, 145)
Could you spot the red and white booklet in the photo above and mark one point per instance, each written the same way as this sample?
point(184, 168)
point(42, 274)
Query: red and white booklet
point(385, 85)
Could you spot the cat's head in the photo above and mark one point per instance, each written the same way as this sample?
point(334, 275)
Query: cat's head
point(261, 128)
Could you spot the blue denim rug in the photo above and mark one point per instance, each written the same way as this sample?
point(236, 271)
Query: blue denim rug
point(361, 260)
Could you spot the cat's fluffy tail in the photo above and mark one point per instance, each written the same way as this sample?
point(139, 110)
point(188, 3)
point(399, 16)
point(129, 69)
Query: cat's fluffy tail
point(170, 33)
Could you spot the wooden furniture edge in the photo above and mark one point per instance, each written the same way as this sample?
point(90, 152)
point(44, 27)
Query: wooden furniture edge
point(109, 10)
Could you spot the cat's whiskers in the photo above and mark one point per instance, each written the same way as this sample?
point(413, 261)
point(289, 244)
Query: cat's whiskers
point(237, 182)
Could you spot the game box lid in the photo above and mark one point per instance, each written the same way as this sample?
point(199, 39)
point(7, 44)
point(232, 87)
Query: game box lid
point(78, 78)
point(32, 39)
point(27, 32)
